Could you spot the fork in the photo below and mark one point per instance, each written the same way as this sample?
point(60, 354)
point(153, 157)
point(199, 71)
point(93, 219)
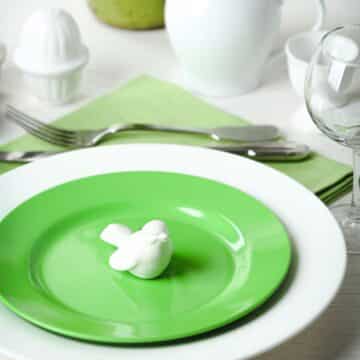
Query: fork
point(87, 138)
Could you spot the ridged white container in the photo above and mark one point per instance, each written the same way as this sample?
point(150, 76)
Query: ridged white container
point(55, 90)
point(52, 56)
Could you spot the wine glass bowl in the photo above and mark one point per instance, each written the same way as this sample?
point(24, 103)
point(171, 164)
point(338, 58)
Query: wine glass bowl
point(332, 94)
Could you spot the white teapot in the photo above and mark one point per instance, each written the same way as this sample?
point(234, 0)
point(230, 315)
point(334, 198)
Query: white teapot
point(223, 45)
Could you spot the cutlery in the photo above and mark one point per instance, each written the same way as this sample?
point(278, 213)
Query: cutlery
point(86, 138)
point(264, 152)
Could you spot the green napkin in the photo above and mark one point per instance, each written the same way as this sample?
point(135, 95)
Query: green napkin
point(150, 100)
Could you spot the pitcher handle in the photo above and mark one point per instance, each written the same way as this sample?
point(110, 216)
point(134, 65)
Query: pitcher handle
point(320, 20)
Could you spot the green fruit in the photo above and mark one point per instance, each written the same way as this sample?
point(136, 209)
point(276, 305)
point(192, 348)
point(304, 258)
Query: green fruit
point(130, 14)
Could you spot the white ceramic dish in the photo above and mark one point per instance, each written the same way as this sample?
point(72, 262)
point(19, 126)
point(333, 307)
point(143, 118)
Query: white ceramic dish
point(318, 268)
point(299, 50)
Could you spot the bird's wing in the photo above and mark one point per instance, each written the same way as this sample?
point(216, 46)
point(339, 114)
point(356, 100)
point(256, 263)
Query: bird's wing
point(124, 259)
point(115, 234)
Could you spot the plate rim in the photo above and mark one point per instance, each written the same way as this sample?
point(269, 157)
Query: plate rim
point(77, 156)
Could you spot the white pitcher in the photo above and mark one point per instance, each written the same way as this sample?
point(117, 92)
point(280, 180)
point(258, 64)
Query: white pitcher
point(342, 12)
point(223, 45)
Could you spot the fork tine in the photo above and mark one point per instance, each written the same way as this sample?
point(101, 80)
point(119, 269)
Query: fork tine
point(26, 125)
point(22, 118)
point(35, 121)
point(25, 118)
point(45, 136)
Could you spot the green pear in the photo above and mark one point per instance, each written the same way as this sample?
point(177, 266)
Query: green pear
point(130, 14)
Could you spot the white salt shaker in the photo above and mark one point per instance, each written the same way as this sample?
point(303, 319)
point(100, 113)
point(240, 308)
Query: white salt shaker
point(51, 55)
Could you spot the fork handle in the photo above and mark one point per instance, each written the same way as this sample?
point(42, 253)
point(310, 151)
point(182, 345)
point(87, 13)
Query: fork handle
point(244, 134)
point(153, 127)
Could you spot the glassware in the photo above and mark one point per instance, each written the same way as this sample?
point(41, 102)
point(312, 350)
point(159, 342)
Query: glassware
point(332, 93)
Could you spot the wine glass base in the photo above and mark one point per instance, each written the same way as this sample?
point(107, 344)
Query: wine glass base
point(349, 221)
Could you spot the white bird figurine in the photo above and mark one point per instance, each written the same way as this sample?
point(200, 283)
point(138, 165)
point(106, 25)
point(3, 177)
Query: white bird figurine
point(145, 253)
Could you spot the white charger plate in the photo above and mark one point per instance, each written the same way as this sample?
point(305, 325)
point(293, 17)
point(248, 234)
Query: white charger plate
point(317, 271)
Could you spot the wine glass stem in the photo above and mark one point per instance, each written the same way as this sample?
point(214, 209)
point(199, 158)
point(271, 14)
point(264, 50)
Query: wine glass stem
point(356, 184)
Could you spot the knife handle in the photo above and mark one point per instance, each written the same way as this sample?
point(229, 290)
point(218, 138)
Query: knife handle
point(262, 152)
point(287, 151)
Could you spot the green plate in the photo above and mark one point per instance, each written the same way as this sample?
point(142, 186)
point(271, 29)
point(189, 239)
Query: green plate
point(231, 253)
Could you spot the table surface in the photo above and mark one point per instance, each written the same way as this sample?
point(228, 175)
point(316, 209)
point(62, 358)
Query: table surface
point(117, 56)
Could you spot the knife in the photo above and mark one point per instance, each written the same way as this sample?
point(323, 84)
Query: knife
point(264, 152)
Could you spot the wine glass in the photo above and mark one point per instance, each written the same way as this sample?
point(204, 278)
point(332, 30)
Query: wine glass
point(332, 93)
